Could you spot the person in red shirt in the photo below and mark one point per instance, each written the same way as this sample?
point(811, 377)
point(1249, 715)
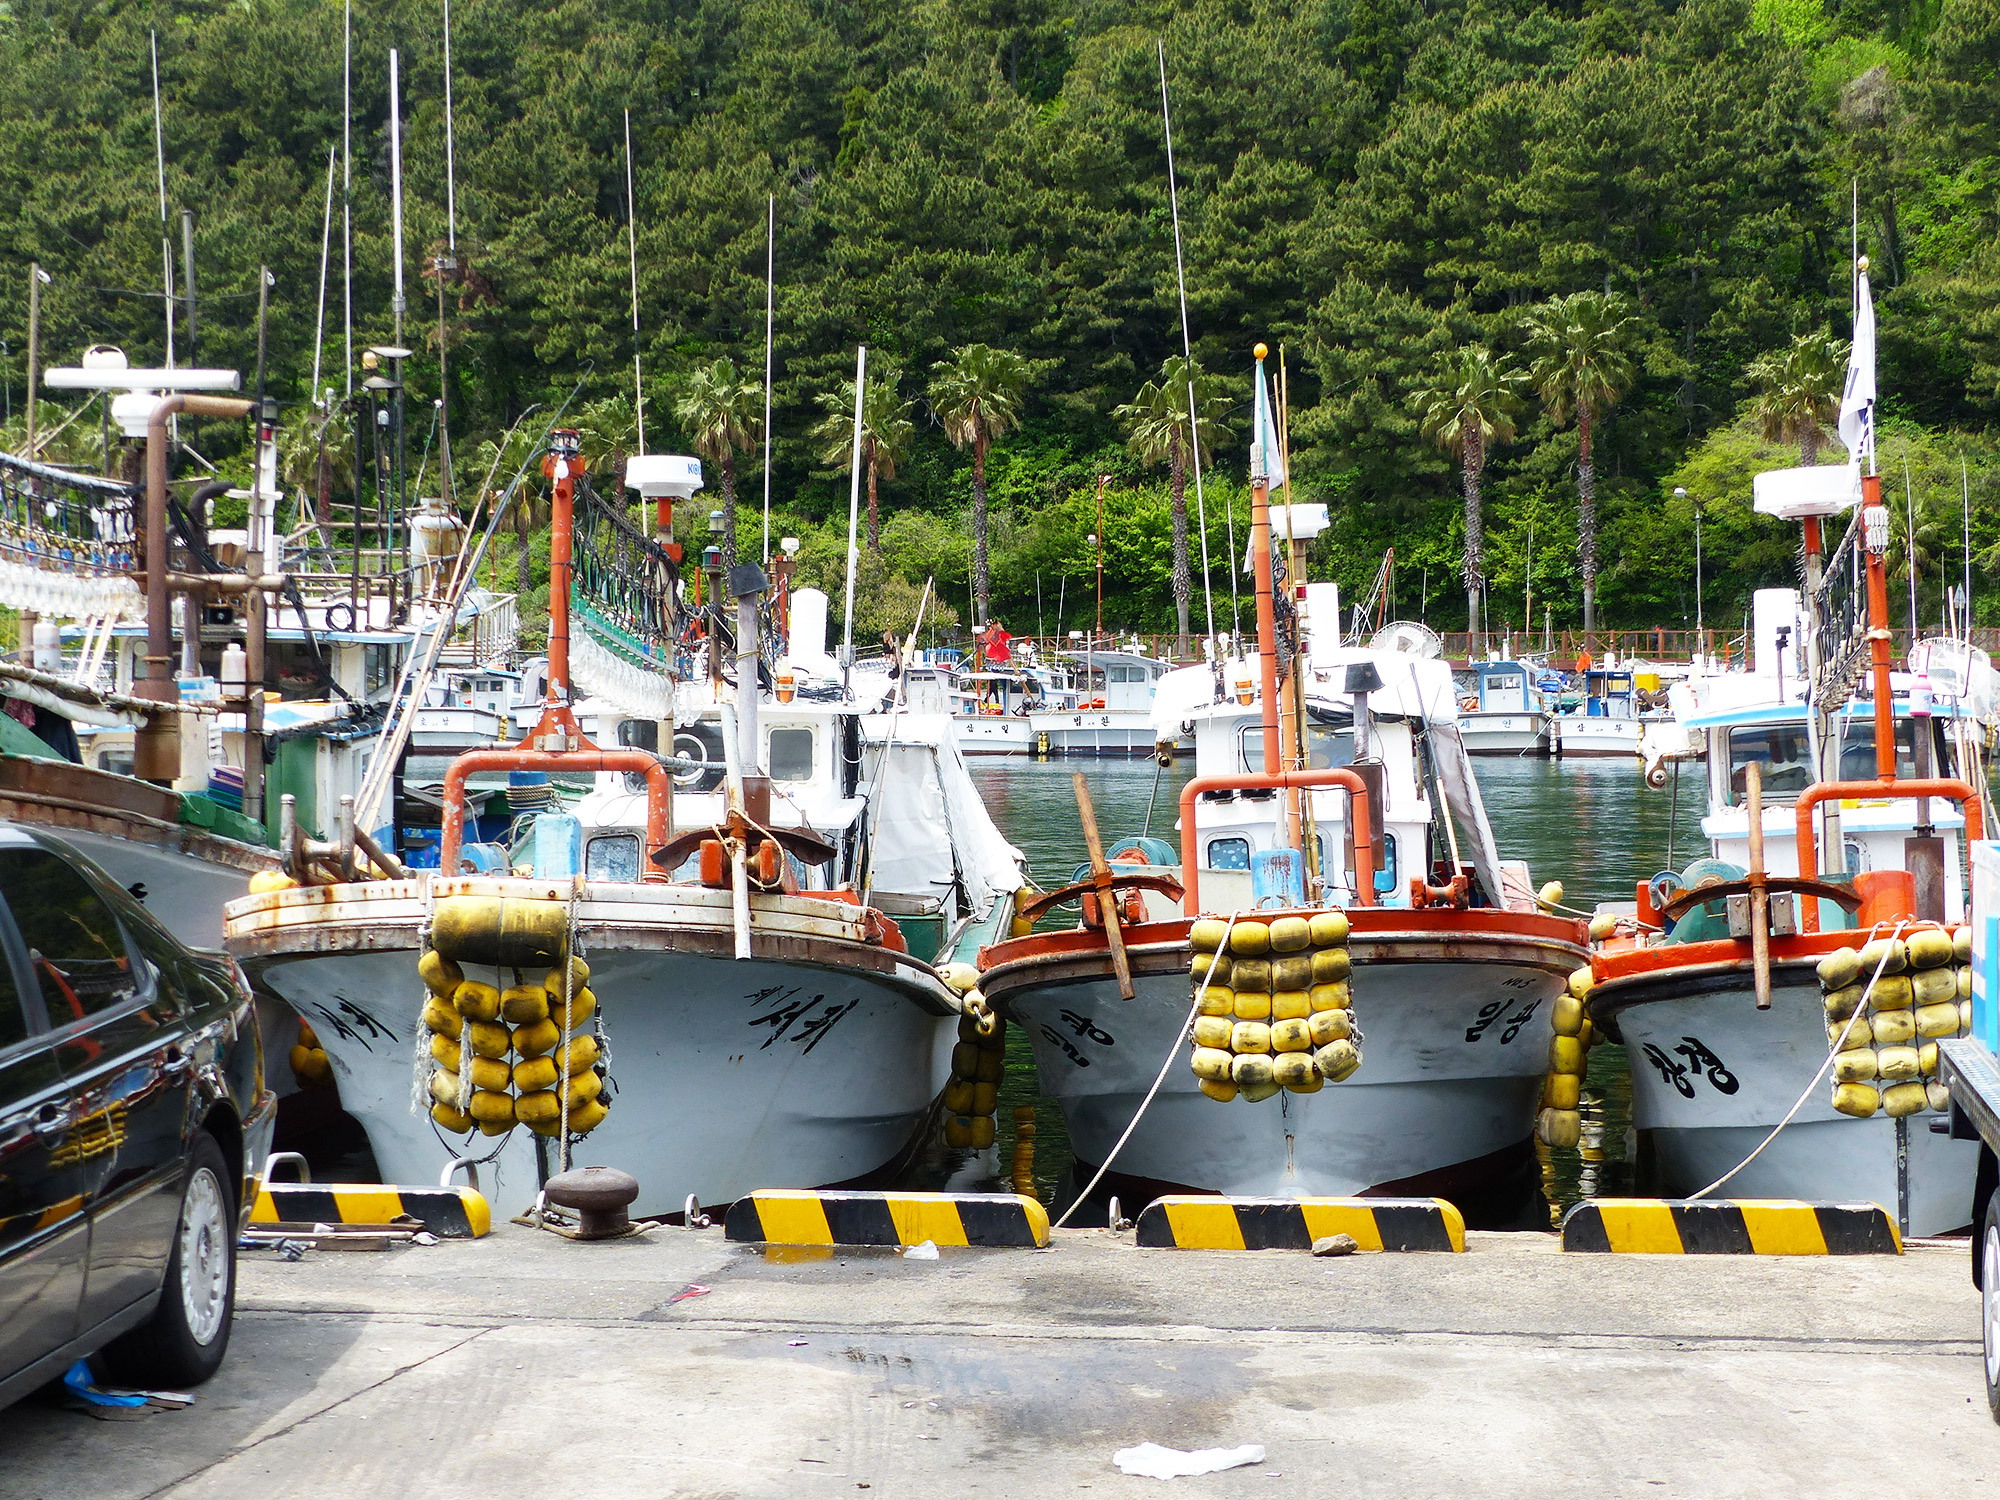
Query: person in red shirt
point(994, 644)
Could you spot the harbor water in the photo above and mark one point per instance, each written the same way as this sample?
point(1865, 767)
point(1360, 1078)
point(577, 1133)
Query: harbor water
point(1592, 824)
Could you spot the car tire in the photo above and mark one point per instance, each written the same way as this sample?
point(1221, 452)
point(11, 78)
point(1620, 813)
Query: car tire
point(184, 1341)
point(1989, 1301)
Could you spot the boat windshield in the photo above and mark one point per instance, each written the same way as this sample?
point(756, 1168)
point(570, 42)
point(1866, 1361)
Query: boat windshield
point(1781, 750)
point(1327, 747)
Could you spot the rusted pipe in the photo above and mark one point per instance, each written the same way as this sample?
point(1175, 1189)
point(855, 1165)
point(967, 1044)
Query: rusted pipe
point(1357, 812)
point(1760, 896)
point(659, 782)
point(1878, 625)
point(1830, 791)
point(157, 743)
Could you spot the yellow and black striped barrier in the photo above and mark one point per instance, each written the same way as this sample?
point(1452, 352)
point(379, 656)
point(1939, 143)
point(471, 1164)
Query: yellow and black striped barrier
point(1740, 1226)
point(1203, 1223)
point(784, 1216)
point(448, 1212)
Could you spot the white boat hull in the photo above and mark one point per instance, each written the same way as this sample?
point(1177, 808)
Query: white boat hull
point(1706, 1034)
point(1098, 732)
point(1454, 1054)
point(725, 1075)
point(1504, 733)
point(1575, 737)
point(993, 734)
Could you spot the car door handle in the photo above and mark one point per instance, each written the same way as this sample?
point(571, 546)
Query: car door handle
point(51, 1123)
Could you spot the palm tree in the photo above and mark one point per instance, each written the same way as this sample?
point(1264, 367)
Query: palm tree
point(721, 413)
point(610, 431)
point(1798, 390)
point(976, 395)
point(886, 432)
point(531, 508)
point(1580, 361)
point(1468, 409)
point(317, 455)
point(1157, 418)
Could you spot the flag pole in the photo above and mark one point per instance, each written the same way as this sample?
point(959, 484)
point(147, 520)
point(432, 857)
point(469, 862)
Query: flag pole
point(632, 249)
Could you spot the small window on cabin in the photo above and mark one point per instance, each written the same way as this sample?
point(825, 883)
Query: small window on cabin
point(638, 734)
point(612, 857)
point(1229, 854)
point(791, 755)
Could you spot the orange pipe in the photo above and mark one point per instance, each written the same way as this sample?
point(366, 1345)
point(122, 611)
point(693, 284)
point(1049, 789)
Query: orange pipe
point(1888, 787)
point(659, 789)
point(1357, 811)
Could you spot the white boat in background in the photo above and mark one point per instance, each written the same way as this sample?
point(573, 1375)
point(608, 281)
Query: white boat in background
point(1504, 713)
point(1113, 711)
point(993, 708)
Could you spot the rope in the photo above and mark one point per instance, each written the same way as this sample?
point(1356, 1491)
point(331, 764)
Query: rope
point(569, 984)
point(1832, 1053)
point(1173, 1049)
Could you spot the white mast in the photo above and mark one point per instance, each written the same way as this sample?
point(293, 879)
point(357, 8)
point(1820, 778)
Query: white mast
point(450, 176)
point(632, 246)
point(770, 303)
point(1187, 352)
point(325, 254)
point(160, 165)
point(854, 507)
point(396, 187)
point(347, 191)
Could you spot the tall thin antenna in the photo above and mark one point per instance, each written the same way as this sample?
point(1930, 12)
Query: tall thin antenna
point(347, 190)
point(450, 173)
point(325, 254)
point(1187, 352)
point(397, 305)
point(632, 245)
point(1965, 516)
point(854, 507)
point(770, 324)
point(1910, 541)
point(160, 165)
point(1854, 247)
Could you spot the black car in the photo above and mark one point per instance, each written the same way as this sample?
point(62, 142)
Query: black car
point(132, 1110)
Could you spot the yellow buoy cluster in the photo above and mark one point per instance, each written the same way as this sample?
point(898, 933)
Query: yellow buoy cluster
point(1885, 1037)
point(500, 1055)
point(1278, 1008)
point(1024, 1151)
point(1559, 1121)
point(972, 1098)
point(309, 1061)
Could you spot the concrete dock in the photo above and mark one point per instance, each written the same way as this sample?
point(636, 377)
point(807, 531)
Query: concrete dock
point(523, 1364)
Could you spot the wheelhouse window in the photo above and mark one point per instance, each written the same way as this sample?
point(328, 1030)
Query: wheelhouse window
point(1786, 759)
point(613, 856)
point(1327, 747)
point(791, 752)
point(1229, 854)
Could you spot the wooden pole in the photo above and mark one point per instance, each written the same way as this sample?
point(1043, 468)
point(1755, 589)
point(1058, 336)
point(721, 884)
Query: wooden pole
point(1107, 898)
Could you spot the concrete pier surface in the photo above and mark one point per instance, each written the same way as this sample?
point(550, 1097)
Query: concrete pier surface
point(523, 1364)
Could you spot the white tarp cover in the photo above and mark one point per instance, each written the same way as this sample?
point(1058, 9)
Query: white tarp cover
point(1461, 794)
point(929, 818)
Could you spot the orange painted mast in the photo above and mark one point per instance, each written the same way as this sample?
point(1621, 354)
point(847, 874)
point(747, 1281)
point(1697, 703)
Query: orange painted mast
point(557, 743)
point(1260, 569)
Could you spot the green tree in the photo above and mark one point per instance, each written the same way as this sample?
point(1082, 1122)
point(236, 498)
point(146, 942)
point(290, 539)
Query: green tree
point(1581, 364)
point(1156, 421)
point(977, 397)
point(886, 434)
point(1469, 408)
point(1798, 390)
point(722, 413)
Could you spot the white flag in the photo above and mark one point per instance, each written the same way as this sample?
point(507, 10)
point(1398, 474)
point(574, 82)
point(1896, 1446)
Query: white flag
point(1266, 456)
point(1857, 403)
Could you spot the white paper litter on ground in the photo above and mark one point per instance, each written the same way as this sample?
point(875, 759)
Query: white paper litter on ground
point(928, 1250)
point(1151, 1461)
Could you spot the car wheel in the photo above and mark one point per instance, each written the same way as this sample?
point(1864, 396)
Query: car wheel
point(184, 1341)
point(1989, 1301)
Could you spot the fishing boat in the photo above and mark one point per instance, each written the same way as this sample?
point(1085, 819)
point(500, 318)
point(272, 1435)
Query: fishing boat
point(1322, 781)
point(759, 1018)
point(1113, 711)
point(1716, 985)
point(993, 707)
point(1503, 712)
point(1609, 719)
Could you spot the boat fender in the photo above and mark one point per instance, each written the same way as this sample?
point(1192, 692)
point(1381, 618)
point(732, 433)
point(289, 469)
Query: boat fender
point(1602, 926)
point(1212, 1063)
point(1292, 1069)
point(537, 1037)
point(985, 1098)
point(1559, 1129)
point(1928, 948)
point(1250, 1037)
point(1890, 954)
point(451, 1118)
point(1289, 1036)
point(959, 978)
point(1292, 972)
point(1893, 1027)
point(579, 976)
point(1327, 1026)
point(1251, 974)
point(265, 881)
point(1330, 930)
point(1581, 981)
point(1859, 1033)
point(1901, 1099)
point(439, 974)
point(1252, 1007)
point(1938, 1020)
point(1934, 986)
point(1858, 1099)
point(442, 1018)
point(538, 1107)
point(533, 1074)
point(1220, 1089)
point(1562, 1091)
point(492, 1075)
point(958, 1095)
point(1566, 1055)
point(1855, 1065)
point(1288, 934)
point(1291, 1005)
point(1250, 940)
point(1217, 1000)
point(1212, 1031)
point(1840, 1003)
point(499, 930)
point(444, 1052)
point(488, 1038)
point(476, 1001)
point(310, 1065)
point(1213, 967)
point(1839, 969)
point(1892, 992)
point(1961, 945)
point(1938, 1096)
point(1338, 995)
point(522, 1003)
point(1337, 1060)
point(491, 1108)
point(1549, 897)
point(1251, 1070)
point(1257, 1093)
point(1331, 966)
point(444, 1087)
point(1567, 1017)
point(1927, 1059)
